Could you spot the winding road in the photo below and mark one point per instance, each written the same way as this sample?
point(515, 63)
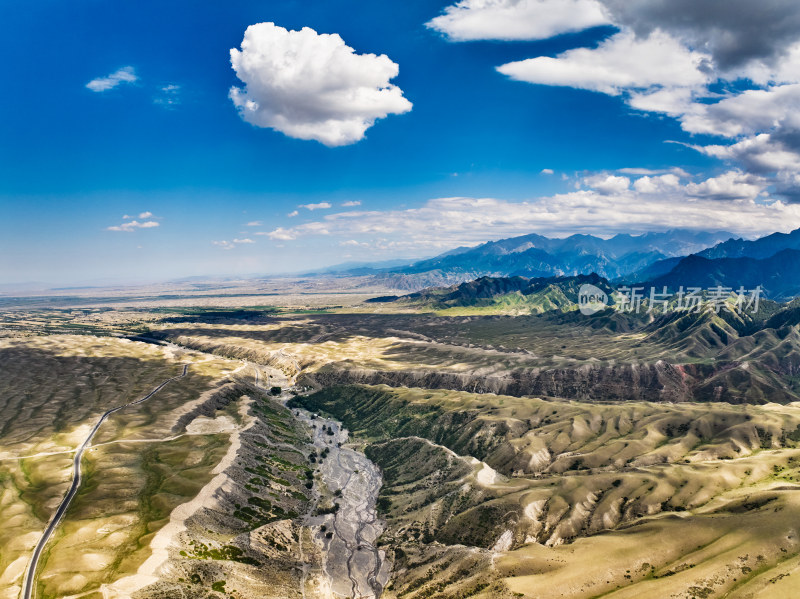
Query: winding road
point(30, 576)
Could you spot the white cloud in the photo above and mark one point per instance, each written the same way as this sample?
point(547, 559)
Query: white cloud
point(622, 62)
point(146, 214)
point(445, 223)
point(764, 126)
point(517, 19)
point(168, 96)
point(312, 86)
point(608, 184)
point(760, 153)
point(224, 245)
point(663, 59)
point(351, 203)
point(320, 206)
point(293, 213)
point(282, 234)
point(749, 112)
point(673, 101)
point(739, 34)
point(123, 75)
point(132, 225)
point(546, 171)
point(733, 185)
point(254, 223)
point(657, 184)
point(637, 171)
point(229, 245)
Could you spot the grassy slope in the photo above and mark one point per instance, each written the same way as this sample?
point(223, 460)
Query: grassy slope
point(52, 390)
point(585, 482)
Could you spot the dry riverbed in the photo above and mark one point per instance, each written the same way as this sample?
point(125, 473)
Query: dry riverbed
point(352, 563)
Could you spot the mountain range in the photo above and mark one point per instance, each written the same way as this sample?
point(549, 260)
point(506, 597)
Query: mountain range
point(530, 271)
point(539, 256)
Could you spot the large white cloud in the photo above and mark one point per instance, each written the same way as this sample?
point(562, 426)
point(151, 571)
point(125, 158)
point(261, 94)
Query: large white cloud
point(622, 62)
point(748, 112)
point(312, 86)
point(517, 19)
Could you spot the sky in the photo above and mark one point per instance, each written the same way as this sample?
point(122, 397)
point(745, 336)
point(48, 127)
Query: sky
point(147, 141)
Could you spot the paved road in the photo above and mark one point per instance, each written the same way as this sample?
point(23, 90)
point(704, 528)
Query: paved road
point(30, 577)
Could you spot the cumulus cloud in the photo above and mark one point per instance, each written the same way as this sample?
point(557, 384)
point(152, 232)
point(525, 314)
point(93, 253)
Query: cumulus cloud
point(733, 185)
point(254, 223)
point(760, 154)
point(608, 184)
point(745, 113)
point(293, 213)
point(132, 225)
point(546, 171)
point(351, 203)
point(657, 184)
point(146, 214)
point(320, 206)
point(245, 240)
point(517, 19)
point(102, 84)
point(312, 86)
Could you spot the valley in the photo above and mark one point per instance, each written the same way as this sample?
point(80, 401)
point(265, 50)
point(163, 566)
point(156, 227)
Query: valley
point(397, 449)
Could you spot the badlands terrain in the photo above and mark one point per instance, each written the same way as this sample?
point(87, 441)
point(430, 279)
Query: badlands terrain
point(325, 446)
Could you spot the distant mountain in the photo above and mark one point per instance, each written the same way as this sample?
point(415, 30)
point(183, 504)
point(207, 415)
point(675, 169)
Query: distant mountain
point(359, 268)
point(759, 248)
point(779, 275)
point(538, 256)
point(656, 269)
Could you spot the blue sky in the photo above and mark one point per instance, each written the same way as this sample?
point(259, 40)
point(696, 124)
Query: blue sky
point(116, 110)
